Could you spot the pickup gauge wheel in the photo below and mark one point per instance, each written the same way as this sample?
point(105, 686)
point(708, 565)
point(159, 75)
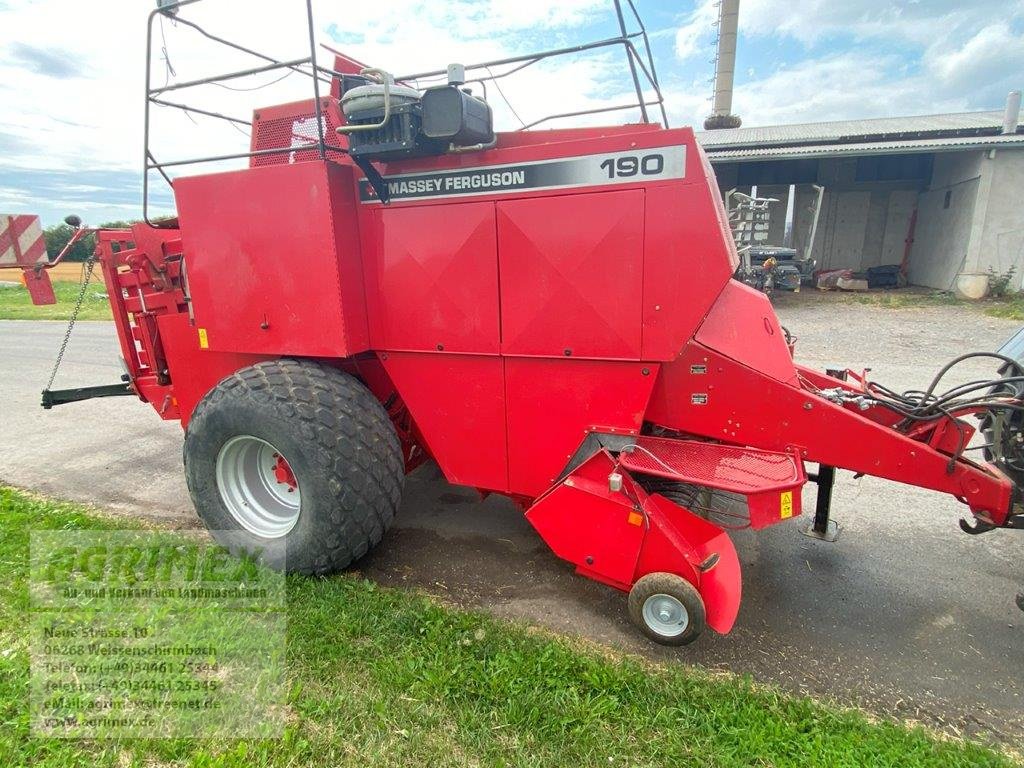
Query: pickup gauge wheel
point(296, 462)
point(667, 608)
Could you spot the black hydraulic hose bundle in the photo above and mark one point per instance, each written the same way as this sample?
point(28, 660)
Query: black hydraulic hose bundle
point(917, 406)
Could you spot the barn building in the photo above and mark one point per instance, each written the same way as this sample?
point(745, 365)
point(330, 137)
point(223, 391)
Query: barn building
point(941, 194)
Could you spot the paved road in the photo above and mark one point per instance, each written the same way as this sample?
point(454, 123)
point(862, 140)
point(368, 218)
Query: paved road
point(903, 615)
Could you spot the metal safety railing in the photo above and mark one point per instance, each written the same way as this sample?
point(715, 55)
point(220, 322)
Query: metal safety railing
point(306, 65)
point(320, 75)
point(625, 39)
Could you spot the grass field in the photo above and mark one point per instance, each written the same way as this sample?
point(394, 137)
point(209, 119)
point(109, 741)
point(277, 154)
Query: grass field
point(386, 678)
point(1010, 307)
point(15, 303)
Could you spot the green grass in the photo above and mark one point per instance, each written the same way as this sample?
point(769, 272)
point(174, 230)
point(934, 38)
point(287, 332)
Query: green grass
point(1010, 307)
point(379, 677)
point(15, 303)
point(902, 299)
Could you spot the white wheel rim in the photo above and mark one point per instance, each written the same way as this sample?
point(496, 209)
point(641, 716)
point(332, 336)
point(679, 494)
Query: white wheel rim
point(250, 489)
point(666, 615)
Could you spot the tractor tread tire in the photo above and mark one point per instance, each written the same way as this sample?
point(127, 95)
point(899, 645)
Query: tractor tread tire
point(340, 444)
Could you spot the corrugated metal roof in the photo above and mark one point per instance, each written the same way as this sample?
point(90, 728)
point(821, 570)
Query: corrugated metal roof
point(909, 146)
point(854, 131)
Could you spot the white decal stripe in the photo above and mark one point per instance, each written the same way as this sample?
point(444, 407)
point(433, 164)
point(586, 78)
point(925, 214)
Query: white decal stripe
point(596, 170)
point(27, 240)
point(32, 235)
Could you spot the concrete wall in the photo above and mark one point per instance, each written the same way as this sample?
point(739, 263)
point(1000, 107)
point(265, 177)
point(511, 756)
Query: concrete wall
point(942, 237)
point(980, 227)
point(1001, 231)
point(862, 224)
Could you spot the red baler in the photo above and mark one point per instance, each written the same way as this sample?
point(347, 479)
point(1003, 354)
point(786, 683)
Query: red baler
point(548, 315)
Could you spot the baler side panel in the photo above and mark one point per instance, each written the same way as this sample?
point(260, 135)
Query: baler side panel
point(348, 258)
point(195, 371)
point(432, 279)
point(571, 275)
point(282, 283)
point(687, 263)
point(553, 403)
point(742, 325)
point(718, 206)
point(458, 403)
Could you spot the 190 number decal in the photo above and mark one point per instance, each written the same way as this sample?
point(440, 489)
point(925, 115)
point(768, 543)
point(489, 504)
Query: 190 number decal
point(631, 165)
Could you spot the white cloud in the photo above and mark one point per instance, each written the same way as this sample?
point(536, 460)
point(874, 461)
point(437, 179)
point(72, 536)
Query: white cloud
point(104, 45)
point(916, 21)
point(696, 34)
point(906, 57)
point(843, 86)
point(991, 59)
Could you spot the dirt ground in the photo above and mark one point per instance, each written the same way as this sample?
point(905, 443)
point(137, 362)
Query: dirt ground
point(904, 615)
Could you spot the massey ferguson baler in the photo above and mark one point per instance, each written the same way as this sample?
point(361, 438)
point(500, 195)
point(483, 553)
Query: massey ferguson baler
point(548, 315)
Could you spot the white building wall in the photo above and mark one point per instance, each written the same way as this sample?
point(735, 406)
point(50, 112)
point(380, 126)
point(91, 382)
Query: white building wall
point(942, 237)
point(1001, 227)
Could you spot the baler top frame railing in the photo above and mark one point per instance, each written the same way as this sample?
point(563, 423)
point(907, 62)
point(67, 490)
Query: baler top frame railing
point(149, 161)
point(321, 75)
point(625, 39)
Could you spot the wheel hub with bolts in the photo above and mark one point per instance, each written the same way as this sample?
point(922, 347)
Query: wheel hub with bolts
point(258, 487)
point(666, 615)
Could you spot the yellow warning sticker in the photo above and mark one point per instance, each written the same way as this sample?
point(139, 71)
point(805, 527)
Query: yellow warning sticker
point(204, 343)
point(786, 504)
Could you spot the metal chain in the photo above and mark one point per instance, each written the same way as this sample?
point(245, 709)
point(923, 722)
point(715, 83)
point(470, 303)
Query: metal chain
point(89, 264)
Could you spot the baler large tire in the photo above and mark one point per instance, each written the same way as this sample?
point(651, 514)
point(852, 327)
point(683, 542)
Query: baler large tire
point(667, 608)
point(342, 461)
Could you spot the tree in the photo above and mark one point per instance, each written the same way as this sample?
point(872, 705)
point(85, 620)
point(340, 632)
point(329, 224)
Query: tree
point(58, 236)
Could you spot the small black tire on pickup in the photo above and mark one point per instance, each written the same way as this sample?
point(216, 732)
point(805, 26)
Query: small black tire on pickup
point(667, 608)
point(295, 461)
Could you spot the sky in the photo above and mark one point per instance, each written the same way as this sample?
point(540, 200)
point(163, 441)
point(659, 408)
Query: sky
point(72, 72)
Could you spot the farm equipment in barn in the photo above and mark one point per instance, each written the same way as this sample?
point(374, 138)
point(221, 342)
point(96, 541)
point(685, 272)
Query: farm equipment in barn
point(764, 267)
point(548, 315)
